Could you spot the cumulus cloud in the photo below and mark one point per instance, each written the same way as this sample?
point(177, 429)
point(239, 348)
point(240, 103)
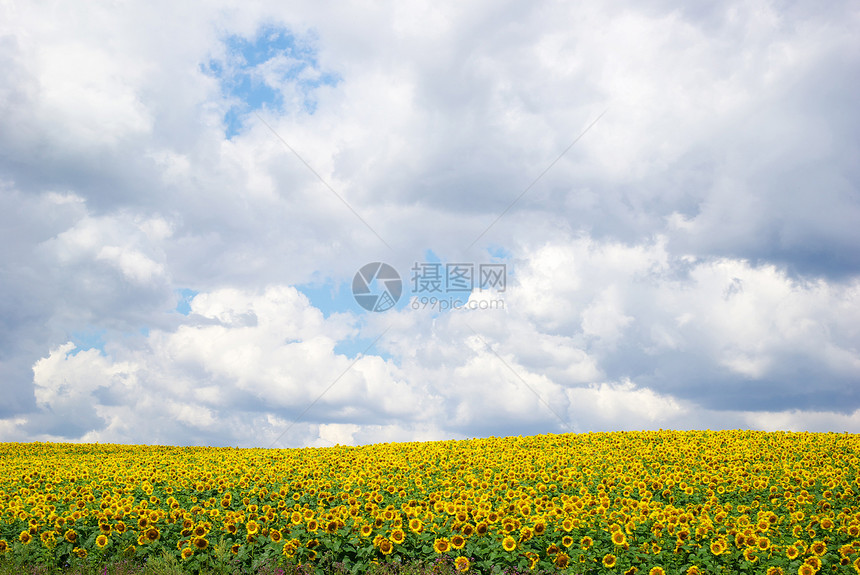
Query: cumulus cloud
point(176, 187)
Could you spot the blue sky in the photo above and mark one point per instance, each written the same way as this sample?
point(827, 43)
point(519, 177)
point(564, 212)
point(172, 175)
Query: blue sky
point(255, 71)
point(186, 198)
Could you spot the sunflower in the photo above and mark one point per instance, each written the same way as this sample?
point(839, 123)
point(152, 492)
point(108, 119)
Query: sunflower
point(806, 569)
point(774, 571)
point(763, 543)
point(792, 552)
point(187, 552)
point(252, 526)
point(200, 542)
point(70, 536)
point(415, 525)
point(152, 534)
point(482, 528)
point(562, 560)
point(618, 538)
point(25, 537)
point(467, 530)
point(693, 570)
point(509, 543)
point(275, 535)
point(718, 546)
point(526, 534)
point(749, 555)
point(441, 545)
point(199, 531)
point(397, 536)
point(101, 541)
point(586, 543)
point(656, 571)
point(366, 530)
point(386, 547)
point(567, 540)
point(815, 562)
point(4, 546)
point(609, 560)
point(818, 548)
point(296, 517)
point(457, 542)
point(80, 552)
point(462, 564)
point(313, 525)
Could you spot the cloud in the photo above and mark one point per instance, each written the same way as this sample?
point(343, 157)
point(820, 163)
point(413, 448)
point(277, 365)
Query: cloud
point(690, 261)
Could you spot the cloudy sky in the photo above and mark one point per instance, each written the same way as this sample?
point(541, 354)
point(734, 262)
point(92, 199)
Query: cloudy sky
point(671, 190)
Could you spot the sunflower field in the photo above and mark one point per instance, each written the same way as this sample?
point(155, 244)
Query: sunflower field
point(627, 502)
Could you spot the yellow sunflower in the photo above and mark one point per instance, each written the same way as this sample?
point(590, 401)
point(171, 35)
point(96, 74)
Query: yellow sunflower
point(415, 525)
point(386, 547)
point(441, 545)
point(562, 560)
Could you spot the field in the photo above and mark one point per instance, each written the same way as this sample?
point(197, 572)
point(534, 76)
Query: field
point(644, 502)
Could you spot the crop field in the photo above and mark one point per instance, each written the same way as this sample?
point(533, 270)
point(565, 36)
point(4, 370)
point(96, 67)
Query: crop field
point(628, 502)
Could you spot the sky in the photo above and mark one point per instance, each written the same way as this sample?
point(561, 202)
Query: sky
point(557, 216)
